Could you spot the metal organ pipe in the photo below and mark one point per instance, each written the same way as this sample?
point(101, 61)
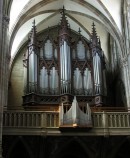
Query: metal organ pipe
point(61, 66)
point(65, 61)
point(69, 69)
point(95, 70)
point(87, 81)
point(43, 80)
point(33, 71)
point(97, 73)
point(100, 75)
point(65, 67)
point(25, 78)
point(41, 53)
point(61, 62)
point(53, 81)
point(78, 81)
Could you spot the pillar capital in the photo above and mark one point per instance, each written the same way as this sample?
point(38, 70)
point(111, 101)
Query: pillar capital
point(6, 20)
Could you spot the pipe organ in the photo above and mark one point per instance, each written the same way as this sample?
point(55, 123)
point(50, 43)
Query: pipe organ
point(58, 69)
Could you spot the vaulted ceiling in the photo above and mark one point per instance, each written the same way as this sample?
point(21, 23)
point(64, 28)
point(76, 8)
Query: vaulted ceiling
point(80, 13)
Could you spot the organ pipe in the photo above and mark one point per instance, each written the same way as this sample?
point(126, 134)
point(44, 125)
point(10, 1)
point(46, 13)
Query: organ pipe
point(65, 68)
point(97, 62)
point(97, 74)
point(44, 80)
point(32, 70)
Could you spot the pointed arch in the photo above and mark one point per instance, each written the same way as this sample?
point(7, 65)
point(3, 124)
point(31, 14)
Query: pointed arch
point(121, 149)
point(14, 146)
point(69, 145)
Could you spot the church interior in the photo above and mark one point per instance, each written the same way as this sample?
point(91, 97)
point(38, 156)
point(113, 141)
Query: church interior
point(64, 79)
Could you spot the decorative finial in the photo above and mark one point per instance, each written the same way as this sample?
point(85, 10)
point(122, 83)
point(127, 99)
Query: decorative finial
point(48, 30)
point(63, 10)
point(99, 42)
point(94, 30)
point(79, 31)
point(94, 38)
point(64, 30)
point(32, 34)
point(33, 22)
point(93, 25)
point(64, 22)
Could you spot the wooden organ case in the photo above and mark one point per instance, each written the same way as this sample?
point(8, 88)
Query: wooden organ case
point(57, 70)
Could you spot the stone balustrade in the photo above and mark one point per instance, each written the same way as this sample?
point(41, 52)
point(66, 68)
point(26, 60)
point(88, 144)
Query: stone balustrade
point(104, 123)
point(111, 119)
point(30, 119)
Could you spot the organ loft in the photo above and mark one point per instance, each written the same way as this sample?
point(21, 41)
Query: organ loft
point(69, 85)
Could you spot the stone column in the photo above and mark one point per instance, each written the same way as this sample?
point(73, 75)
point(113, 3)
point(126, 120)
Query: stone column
point(128, 14)
point(1, 103)
point(4, 63)
point(126, 77)
point(126, 31)
point(126, 57)
point(6, 57)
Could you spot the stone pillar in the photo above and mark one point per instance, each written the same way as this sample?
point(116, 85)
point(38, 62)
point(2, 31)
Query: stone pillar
point(1, 103)
point(128, 16)
point(6, 57)
point(126, 30)
point(126, 78)
point(126, 56)
point(4, 63)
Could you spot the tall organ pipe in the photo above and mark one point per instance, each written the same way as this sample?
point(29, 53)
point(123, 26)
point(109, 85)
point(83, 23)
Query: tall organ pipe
point(65, 68)
point(32, 72)
point(32, 66)
point(97, 74)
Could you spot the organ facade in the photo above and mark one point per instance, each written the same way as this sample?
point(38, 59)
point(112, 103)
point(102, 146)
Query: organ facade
point(56, 70)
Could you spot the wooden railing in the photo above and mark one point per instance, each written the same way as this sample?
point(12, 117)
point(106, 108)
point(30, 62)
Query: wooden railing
point(103, 122)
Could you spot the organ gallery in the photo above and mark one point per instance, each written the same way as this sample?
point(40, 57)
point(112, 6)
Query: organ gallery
point(64, 79)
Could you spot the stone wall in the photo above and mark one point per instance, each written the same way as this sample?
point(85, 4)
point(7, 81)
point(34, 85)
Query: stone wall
point(16, 87)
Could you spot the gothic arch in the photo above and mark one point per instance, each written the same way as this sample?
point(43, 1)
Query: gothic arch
point(74, 147)
point(122, 149)
point(24, 144)
point(26, 14)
